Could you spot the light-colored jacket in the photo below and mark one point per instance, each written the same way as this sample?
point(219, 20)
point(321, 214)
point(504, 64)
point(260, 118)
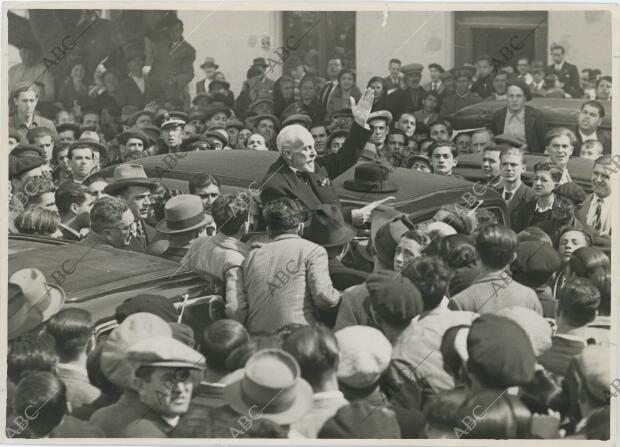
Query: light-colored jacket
point(218, 259)
point(285, 281)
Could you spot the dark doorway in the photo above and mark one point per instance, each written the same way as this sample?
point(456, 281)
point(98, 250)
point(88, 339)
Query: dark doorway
point(503, 45)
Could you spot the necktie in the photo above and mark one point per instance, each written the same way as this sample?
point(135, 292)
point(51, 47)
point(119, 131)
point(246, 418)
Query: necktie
point(434, 87)
point(507, 195)
point(302, 175)
point(598, 214)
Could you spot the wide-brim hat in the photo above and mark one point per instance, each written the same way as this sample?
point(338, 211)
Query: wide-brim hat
point(209, 62)
point(32, 301)
point(133, 132)
point(370, 177)
point(128, 175)
point(282, 400)
point(212, 109)
point(273, 118)
point(260, 101)
point(328, 228)
point(380, 216)
point(214, 83)
point(260, 62)
point(182, 213)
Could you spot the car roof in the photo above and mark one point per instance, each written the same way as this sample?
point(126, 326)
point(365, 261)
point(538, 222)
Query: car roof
point(20, 243)
point(411, 184)
point(85, 271)
point(580, 169)
point(558, 112)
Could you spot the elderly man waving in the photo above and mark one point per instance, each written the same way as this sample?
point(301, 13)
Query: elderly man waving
point(301, 175)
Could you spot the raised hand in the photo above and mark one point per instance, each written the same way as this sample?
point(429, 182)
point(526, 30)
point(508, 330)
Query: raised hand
point(361, 110)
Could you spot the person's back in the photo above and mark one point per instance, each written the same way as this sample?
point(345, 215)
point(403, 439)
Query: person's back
point(579, 301)
point(495, 288)
point(286, 280)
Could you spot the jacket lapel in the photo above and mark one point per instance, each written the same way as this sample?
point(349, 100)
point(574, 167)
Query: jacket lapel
point(300, 189)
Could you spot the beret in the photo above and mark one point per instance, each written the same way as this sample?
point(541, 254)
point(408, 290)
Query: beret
point(164, 352)
point(412, 68)
point(509, 140)
point(21, 165)
point(154, 304)
point(535, 326)
point(364, 355)
point(28, 150)
point(381, 114)
point(378, 423)
point(393, 297)
point(500, 352)
point(518, 82)
point(536, 261)
point(572, 191)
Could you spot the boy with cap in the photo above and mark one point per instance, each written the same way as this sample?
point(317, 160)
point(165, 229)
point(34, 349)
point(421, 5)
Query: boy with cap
point(568, 200)
point(495, 288)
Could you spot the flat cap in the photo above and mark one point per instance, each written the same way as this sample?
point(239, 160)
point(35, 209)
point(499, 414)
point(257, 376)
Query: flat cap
point(394, 298)
point(183, 333)
point(234, 123)
point(196, 142)
point(28, 150)
point(298, 118)
point(436, 66)
point(364, 355)
point(462, 72)
point(221, 136)
point(536, 261)
point(518, 82)
point(412, 68)
point(197, 114)
point(258, 101)
point(212, 109)
point(133, 118)
point(68, 126)
point(133, 132)
point(500, 351)
point(446, 75)
point(509, 140)
point(343, 113)
point(145, 302)
point(420, 157)
point(172, 118)
point(272, 118)
point(164, 352)
point(572, 191)
point(21, 165)
point(214, 84)
point(380, 114)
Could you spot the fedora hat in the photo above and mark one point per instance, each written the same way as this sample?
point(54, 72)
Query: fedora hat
point(370, 177)
point(182, 213)
point(209, 62)
point(128, 175)
point(134, 132)
point(328, 228)
point(271, 383)
point(32, 301)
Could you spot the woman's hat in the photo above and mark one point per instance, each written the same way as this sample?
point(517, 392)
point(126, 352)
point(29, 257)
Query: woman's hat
point(370, 177)
point(182, 213)
point(32, 301)
point(328, 228)
point(271, 386)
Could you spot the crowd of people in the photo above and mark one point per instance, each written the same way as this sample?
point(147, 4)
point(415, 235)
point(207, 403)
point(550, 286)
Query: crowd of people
point(315, 333)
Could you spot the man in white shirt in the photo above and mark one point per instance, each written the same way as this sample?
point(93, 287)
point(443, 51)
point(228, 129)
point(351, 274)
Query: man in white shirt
point(589, 121)
point(597, 208)
point(560, 143)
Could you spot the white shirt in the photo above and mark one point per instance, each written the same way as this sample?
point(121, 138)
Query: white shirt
point(559, 67)
point(542, 210)
point(139, 82)
point(584, 137)
point(605, 213)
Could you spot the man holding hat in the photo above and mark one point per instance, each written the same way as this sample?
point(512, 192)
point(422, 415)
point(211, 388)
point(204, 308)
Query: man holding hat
point(130, 183)
point(301, 175)
point(209, 67)
point(171, 125)
point(462, 96)
point(410, 97)
point(184, 222)
point(520, 120)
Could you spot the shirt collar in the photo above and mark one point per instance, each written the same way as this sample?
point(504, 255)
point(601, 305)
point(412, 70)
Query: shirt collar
point(585, 137)
point(71, 230)
point(231, 243)
point(541, 210)
point(520, 115)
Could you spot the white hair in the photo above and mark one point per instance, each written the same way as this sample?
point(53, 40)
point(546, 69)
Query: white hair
point(290, 136)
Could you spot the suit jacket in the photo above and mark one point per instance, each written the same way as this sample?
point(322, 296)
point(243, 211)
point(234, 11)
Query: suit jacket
point(391, 85)
point(524, 216)
point(520, 200)
point(326, 92)
point(483, 86)
point(79, 390)
point(410, 99)
point(429, 85)
point(280, 181)
point(172, 67)
point(535, 127)
point(344, 277)
point(602, 135)
point(569, 77)
point(128, 93)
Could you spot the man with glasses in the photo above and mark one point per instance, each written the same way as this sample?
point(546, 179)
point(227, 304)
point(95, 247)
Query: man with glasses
point(111, 223)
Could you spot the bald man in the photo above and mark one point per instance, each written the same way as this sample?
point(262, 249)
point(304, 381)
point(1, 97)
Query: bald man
point(300, 174)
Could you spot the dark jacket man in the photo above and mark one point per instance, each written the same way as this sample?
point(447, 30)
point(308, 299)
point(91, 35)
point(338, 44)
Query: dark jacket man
point(602, 135)
point(535, 127)
point(569, 76)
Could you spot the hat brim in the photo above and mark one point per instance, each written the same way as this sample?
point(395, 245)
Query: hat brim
point(380, 216)
point(32, 320)
point(172, 364)
point(118, 185)
point(162, 226)
point(210, 65)
point(347, 236)
point(36, 316)
point(352, 186)
point(299, 408)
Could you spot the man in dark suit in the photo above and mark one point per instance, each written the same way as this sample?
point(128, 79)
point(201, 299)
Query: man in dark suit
point(590, 118)
point(299, 174)
point(394, 81)
point(567, 74)
point(411, 96)
point(519, 120)
point(334, 66)
point(136, 89)
point(516, 193)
